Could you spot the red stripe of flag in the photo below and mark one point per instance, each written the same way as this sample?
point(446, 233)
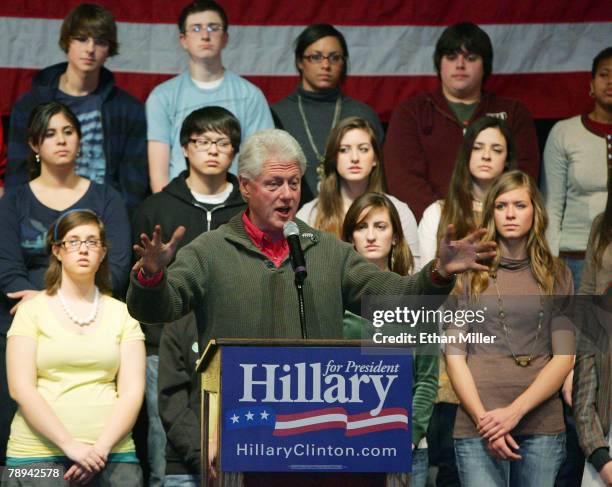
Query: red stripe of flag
point(339, 12)
point(547, 95)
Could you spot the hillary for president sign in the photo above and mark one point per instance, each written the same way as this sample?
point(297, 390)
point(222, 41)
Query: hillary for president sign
point(315, 409)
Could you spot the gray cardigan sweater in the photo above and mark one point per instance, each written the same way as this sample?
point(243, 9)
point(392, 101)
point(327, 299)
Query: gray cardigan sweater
point(236, 291)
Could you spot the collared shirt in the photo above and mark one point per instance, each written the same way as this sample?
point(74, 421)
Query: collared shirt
point(277, 251)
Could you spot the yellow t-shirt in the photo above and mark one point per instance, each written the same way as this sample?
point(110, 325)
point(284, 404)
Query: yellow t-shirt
point(76, 374)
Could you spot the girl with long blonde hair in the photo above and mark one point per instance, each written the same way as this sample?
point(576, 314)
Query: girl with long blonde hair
point(509, 429)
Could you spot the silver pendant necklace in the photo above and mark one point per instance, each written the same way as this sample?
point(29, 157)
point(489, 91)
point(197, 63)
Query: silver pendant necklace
point(74, 318)
point(320, 157)
point(521, 360)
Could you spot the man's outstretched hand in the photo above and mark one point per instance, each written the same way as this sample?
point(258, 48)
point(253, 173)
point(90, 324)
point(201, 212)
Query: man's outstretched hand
point(457, 256)
point(154, 254)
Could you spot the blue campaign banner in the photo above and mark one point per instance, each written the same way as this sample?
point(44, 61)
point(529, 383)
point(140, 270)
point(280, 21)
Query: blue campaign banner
point(315, 409)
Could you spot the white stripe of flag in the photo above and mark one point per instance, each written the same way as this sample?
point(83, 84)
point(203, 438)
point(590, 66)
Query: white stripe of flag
point(267, 50)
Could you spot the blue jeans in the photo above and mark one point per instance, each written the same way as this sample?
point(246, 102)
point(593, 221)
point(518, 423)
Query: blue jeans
point(182, 481)
point(420, 467)
point(156, 436)
point(575, 266)
point(440, 442)
point(542, 458)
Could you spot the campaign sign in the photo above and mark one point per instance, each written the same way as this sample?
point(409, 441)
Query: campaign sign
point(318, 409)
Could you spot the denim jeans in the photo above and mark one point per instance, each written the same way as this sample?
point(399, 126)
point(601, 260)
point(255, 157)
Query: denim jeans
point(418, 476)
point(185, 480)
point(440, 441)
point(420, 467)
point(575, 266)
point(156, 436)
point(571, 471)
point(542, 456)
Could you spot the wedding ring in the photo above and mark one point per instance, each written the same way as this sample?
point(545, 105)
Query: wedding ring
point(477, 256)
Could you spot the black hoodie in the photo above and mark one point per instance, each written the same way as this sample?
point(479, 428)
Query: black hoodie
point(179, 396)
point(175, 206)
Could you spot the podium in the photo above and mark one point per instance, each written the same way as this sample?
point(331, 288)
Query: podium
point(293, 405)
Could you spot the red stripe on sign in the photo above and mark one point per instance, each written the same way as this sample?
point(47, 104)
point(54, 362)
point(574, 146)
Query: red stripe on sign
point(383, 413)
point(340, 12)
point(377, 427)
point(308, 428)
point(548, 95)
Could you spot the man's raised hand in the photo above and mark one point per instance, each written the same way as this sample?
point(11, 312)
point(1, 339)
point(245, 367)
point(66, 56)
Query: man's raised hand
point(154, 254)
point(458, 256)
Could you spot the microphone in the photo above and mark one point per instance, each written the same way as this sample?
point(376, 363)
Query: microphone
point(292, 234)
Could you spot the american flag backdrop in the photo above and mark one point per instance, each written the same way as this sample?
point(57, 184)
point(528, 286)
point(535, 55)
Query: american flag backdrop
point(543, 48)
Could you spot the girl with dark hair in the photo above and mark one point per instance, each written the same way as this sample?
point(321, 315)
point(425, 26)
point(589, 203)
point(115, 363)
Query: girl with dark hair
point(317, 104)
point(592, 396)
point(574, 174)
point(509, 429)
point(373, 218)
point(486, 152)
point(27, 211)
point(373, 226)
point(75, 365)
point(352, 167)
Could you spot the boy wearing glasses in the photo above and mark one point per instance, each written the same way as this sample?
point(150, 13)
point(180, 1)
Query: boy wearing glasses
point(201, 198)
point(203, 35)
point(113, 122)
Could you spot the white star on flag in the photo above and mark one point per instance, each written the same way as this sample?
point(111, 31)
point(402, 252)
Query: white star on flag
point(249, 416)
point(264, 415)
point(235, 418)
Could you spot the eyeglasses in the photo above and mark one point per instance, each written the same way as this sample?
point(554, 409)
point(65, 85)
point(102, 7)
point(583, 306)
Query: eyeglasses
point(202, 145)
point(73, 245)
point(104, 43)
point(210, 28)
point(317, 58)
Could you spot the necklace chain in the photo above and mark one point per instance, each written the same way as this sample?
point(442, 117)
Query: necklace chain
point(521, 360)
point(89, 319)
point(337, 110)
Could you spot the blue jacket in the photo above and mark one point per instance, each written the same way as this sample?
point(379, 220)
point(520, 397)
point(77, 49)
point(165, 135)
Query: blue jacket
point(125, 134)
point(25, 221)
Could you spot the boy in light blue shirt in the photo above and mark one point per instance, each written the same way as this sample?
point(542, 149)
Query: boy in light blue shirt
point(203, 34)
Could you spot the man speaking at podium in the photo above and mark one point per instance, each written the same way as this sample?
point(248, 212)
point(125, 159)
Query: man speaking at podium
point(239, 281)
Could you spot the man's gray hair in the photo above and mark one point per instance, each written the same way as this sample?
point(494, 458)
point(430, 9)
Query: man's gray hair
point(265, 145)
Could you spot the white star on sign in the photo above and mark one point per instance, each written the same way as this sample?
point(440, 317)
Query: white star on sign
point(249, 416)
point(264, 415)
point(235, 419)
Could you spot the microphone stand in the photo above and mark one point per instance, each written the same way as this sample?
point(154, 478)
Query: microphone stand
point(299, 285)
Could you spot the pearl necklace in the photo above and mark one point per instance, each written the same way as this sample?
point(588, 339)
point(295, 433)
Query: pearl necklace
point(73, 317)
